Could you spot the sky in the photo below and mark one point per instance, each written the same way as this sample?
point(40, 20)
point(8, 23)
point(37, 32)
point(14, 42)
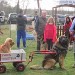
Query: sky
point(44, 4)
point(32, 4)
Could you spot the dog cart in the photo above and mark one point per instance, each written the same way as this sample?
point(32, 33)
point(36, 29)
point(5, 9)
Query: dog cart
point(16, 57)
point(40, 52)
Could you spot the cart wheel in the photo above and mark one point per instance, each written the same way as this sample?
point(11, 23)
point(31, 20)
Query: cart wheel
point(2, 68)
point(20, 67)
point(15, 63)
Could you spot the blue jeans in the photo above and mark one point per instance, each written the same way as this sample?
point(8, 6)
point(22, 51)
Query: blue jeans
point(21, 34)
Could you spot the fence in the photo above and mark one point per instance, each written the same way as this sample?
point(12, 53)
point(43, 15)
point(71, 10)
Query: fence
point(60, 30)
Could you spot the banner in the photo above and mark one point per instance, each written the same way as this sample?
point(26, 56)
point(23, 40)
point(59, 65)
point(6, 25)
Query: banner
point(62, 2)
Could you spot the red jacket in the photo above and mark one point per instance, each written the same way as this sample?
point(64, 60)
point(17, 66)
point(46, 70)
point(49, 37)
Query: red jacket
point(50, 32)
point(67, 26)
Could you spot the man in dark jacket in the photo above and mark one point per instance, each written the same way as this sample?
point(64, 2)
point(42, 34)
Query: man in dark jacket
point(39, 28)
point(21, 26)
point(35, 17)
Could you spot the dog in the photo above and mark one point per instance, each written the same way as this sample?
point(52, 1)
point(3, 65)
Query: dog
point(60, 47)
point(6, 46)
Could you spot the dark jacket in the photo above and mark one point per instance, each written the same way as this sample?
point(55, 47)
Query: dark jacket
point(35, 19)
point(21, 22)
point(40, 25)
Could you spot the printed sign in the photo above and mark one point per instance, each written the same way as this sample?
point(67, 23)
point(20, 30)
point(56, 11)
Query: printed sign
point(62, 2)
point(15, 55)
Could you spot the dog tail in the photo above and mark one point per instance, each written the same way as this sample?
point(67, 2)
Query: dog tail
point(43, 63)
point(36, 67)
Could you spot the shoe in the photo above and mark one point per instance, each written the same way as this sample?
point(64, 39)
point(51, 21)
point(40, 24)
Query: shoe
point(18, 48)
point(24, 48)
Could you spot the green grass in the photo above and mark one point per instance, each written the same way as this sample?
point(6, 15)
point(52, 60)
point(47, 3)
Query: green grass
point(31, 46)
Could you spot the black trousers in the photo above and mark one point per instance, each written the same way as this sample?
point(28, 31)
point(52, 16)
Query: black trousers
point(39, 41)
point(50, 43)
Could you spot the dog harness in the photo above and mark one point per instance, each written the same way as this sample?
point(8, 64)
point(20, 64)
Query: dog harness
point(59, 51)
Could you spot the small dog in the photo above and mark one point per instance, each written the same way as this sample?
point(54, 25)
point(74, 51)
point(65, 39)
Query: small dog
point(6, 47)
point(60, 47)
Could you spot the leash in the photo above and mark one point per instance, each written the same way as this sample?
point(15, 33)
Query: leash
point(27, 64)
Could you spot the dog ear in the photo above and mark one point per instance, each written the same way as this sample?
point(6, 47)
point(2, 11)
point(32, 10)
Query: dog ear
point(7, 43)
point(11, 42)
point(60, 38)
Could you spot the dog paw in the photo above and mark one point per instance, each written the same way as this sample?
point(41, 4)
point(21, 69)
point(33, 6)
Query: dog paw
point(73, 66)
point(51, 68)
point(36, 67)
point(63, 68)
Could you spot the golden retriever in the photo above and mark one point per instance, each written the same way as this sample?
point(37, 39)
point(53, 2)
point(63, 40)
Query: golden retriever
point(6, 47)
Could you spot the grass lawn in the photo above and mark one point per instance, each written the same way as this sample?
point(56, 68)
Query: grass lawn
point(31, 46)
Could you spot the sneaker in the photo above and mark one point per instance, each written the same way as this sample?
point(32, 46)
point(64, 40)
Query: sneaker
point(24, 48)
point(18, 48)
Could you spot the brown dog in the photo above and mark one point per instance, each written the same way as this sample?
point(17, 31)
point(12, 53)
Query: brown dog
point(6, 47)
point(60, 47)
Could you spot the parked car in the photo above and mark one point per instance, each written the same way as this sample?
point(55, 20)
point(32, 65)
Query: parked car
point(12, 18)
point(60, 19)
point(29, 18)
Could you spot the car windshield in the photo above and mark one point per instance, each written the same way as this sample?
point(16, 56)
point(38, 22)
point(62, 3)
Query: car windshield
point(13, 15)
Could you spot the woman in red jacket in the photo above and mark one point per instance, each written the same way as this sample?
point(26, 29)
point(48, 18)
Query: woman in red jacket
point(67, 25)
point(50, 32)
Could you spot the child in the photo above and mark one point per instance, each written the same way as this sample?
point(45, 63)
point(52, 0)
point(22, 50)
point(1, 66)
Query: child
point(50, 32)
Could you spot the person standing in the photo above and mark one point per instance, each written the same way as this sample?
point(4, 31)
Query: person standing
point(50, 33)
point(33, 25)
point(21, 26)
point(72, 33)
point(35, 17)
point(39, 28)
point(72, 29)
point(67, 25)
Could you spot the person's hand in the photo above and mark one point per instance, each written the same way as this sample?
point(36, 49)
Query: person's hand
point(36, 33)
point(44, 41)
point(29, 19)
